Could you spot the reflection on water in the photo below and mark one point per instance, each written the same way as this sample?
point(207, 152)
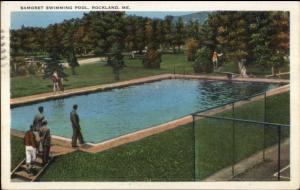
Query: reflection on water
point(109, 114)
point(58, 103)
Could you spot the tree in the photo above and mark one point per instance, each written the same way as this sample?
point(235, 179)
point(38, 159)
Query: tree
point(72, 61)
point(193, 29)
point(117, 62)
point(168, 32)
point(55, 49)
point(17, 57)
point(180, 34)
point(279, 40)
point(270, 39)
point(69, 48)
point(149, 33)
point(232, 35)
point(140, 34)
point(53, 64)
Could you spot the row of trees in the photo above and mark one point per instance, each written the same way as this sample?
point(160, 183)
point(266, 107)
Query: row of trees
point(102, 34)
point(244, 38)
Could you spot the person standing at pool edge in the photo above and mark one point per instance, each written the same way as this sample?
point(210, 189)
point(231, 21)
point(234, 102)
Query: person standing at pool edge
point(76, 127)
point(38, 118)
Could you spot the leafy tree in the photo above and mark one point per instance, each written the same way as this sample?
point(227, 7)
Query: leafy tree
point(193, 29)
point(279, 40)
point(270, 39)
point(69, 44)
point(230, 29)
point(72, 61)
point(131, 28)
point(117, 62)
point(149, 33)
point(168, 32)
point(180, 34)
point(140, 34)
point(53, 64)
point(17, 57)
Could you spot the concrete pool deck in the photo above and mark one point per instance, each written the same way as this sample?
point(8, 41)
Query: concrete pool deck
point(94, 148)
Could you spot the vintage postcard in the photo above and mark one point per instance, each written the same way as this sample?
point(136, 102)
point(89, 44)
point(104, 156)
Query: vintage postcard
point(150, 95)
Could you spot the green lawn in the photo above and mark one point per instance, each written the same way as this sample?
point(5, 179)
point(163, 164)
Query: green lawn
point(169, 156)
point(98, 73)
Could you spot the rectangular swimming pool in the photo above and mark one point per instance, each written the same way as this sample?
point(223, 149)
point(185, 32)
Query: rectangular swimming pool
point(110, 114)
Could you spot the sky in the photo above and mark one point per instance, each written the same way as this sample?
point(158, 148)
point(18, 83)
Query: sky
point(43, 19)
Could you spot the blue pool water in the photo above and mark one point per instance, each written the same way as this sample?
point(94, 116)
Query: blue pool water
point(109, 114)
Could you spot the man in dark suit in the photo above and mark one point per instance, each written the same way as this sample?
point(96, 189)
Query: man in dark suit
point(76, 127)
point(45, 141)
point(38, 118)
point(37, 124)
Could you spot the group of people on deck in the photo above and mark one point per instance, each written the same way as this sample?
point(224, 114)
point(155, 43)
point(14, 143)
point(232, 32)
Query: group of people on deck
point(38, 138)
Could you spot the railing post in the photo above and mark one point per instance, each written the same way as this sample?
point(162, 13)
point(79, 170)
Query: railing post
point(265, 120)
point(194, 144)
point(279, 144)
point(233, 139)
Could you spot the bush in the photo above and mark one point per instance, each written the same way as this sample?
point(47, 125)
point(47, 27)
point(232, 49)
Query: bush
point(32, 69)
point(152, 59)
point(22, 70)
point(192, 46)
point(203, 62)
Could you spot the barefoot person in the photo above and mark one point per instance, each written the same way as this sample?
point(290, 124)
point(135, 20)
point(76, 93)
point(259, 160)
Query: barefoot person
point(76, 127)
point(30, 149)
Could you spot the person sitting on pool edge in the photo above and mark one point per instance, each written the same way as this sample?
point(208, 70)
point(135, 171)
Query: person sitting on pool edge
point(76, 127)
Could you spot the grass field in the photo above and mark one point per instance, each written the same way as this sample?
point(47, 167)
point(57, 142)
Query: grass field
point(169, 156)
point(98, 73)
point(249, 137)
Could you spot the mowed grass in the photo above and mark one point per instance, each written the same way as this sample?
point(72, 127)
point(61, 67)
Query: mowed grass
point(215, 137)
point(17, 151)
point(98, 73)
point(169, 156)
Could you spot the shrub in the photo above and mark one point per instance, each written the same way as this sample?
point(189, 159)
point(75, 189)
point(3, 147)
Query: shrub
point(203, 61)
point(22, 70)
point(32, 69)
point(152, 59)
point(192, 46)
